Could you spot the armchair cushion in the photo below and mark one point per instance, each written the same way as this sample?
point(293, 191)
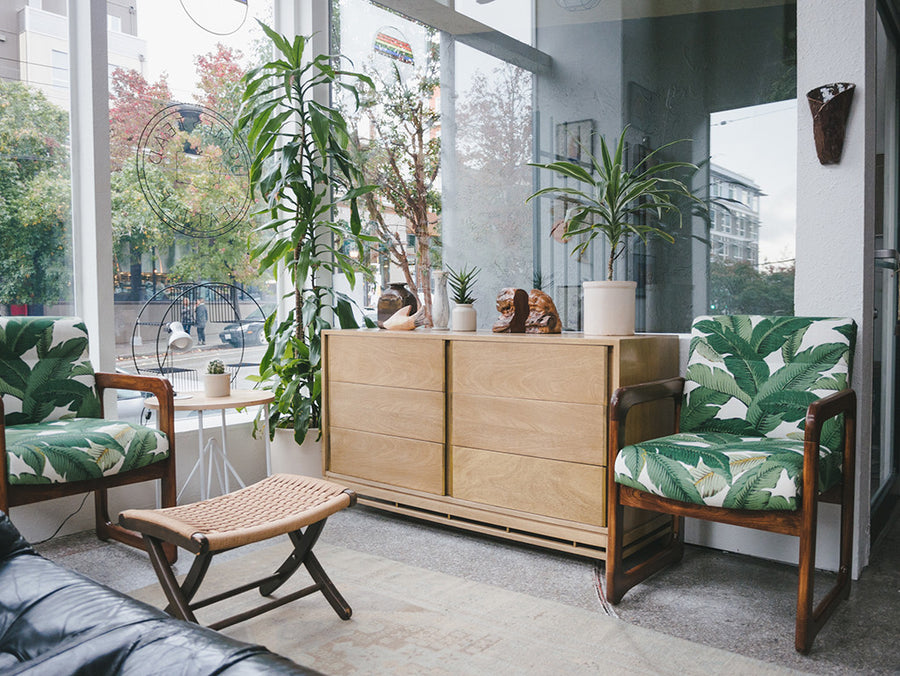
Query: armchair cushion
point(723, 470)
point(81, 448)
point(44, 370)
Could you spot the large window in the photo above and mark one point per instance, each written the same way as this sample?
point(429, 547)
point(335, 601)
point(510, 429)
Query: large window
point(35, 213)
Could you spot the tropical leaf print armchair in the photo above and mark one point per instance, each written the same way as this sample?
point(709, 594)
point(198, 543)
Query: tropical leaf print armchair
point(54, 440)
point(767, 426)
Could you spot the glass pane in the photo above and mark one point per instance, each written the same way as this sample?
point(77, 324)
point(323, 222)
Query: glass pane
point(180, 188)
point(661, 70)
point(35, 191)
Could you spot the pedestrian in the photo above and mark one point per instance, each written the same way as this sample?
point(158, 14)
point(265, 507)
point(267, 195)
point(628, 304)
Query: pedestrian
point(201, 316)
point(187, 315)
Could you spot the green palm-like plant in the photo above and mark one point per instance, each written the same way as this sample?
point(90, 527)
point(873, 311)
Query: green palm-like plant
point(617, 197)
point(461, 282)
point(302, 170)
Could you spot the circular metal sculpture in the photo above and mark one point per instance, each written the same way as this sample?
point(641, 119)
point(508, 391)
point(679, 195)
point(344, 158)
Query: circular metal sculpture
point(164, 324)
point(577, 5)
point(219, 17)
point(193, 170)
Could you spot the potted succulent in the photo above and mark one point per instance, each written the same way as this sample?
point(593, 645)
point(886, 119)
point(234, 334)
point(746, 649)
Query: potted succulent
point(301, 170)
point(612, 204)
point(216, 383)
point(463, 317)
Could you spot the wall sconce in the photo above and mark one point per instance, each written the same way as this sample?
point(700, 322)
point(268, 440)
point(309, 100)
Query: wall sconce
point(830, 107)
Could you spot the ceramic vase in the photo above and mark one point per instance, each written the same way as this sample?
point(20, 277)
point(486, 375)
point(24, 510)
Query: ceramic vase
point(392, 299)
point(609, 308)
point(464, 317)
point(440, 305)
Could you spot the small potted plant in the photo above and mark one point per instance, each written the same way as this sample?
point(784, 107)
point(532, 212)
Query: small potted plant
point(617, 202)
point(216, 383)
point(464, 317)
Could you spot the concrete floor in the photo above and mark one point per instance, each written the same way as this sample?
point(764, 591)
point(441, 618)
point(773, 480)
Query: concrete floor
point(739, 603)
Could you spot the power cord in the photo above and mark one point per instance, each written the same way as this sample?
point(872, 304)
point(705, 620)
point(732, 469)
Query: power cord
point(40, 542)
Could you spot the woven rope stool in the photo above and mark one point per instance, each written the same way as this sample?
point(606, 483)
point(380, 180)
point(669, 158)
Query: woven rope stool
point(277, 505)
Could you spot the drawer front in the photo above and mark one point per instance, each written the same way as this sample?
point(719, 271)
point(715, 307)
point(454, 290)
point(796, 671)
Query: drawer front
point(392, 362)
point(415, 414)
point(564, 431)
point(564, 490)
point(565, 373)
point(408, 463)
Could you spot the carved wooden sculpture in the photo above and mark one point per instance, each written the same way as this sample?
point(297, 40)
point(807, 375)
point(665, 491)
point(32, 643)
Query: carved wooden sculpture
point(513, 307)
point(542, 314)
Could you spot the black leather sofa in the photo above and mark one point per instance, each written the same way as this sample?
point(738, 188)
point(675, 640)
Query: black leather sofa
point(56, 622)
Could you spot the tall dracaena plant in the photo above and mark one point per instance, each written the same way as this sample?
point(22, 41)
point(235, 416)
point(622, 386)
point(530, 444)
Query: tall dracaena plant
point(616, 198)
point(301, 170)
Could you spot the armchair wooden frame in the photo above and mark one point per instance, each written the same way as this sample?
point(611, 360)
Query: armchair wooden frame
point(164, 470)
point(801, 523)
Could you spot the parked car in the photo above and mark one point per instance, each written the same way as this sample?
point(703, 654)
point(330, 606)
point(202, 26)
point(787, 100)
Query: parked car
point(248, 331)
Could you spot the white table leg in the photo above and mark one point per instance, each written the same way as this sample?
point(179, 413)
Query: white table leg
point(268, 442)
point(204, 477)
point(225, 463)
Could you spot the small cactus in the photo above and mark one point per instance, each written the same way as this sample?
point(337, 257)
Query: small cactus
point(215, 366)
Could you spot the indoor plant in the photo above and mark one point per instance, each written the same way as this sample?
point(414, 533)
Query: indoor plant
point(216, 383)
point(613, 203)
point(302, 170)
point(464, 317)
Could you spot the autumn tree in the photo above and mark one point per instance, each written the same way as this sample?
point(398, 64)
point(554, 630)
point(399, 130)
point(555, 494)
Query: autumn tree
point(402, 157)
point(35, 222)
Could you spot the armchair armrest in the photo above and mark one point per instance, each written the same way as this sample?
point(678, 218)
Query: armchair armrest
point(159, 387)
point(843, 402)
point(624, 398)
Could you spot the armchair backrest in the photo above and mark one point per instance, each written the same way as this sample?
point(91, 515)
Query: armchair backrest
point(755, 375)
point(45, 373)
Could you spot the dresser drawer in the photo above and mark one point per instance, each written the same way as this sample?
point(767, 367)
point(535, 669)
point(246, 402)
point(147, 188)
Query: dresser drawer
point(549, 429)
point(416, 414)
point(563, 490)
point(564, 373)
point(407, 463)
point(383, 360)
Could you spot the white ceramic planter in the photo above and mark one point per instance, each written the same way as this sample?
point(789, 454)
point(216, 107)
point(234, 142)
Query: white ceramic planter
point(609, 308)
point(289, 458)
point(464, 317)
point(217, 384)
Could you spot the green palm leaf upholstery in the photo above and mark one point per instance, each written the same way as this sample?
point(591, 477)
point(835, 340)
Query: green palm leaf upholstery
point(55, 432)
point(748, 384)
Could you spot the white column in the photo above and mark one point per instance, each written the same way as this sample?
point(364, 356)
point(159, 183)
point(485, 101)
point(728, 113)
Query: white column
point(91, 220)
point(836, 208)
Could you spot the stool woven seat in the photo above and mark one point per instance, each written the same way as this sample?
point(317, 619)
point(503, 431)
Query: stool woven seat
point(282, 504)
point(276, 505)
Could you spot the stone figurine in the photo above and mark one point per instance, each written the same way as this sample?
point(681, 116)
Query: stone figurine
point(512, 304)
point(542, 314)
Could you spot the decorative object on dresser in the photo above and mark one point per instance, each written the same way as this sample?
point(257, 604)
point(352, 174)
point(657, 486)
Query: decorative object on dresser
point(502, 434)
point(216, 383)
point(617, 202)
point(401, 320)
point(542, 314)
point(440, 307)
point(512, 304)
point(301, 158)
point(464, 317)
point(395, 297)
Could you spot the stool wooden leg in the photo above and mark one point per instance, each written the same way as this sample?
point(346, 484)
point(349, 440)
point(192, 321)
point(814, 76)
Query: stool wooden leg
point(179, 606)
point(327, 587)
point(303, 544)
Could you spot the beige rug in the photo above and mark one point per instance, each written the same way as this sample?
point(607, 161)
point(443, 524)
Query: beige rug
point(409, 620)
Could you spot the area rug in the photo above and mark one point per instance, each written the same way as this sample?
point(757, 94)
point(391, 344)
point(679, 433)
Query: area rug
point(409, 620)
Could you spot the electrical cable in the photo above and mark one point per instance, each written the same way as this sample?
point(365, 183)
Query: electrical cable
point(40, 542)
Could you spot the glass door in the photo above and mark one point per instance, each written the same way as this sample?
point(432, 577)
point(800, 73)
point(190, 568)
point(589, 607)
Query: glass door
point(887, 259)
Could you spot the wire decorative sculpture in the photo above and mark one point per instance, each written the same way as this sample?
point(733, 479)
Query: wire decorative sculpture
point(168, 315)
